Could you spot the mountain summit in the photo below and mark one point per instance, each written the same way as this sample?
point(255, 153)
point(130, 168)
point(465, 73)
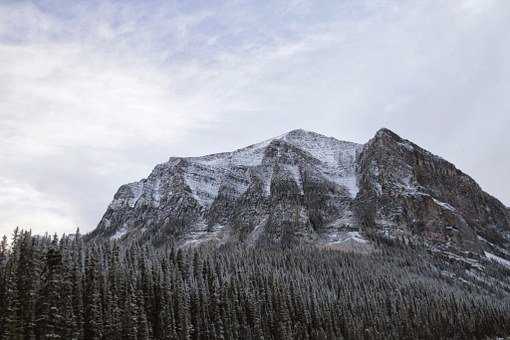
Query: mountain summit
point(306, 187)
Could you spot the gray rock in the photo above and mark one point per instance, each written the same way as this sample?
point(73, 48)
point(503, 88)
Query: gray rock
point(306, 187)
point(407, 192)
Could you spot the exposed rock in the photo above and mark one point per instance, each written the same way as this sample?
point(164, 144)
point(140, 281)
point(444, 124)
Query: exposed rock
point(305, 187)
point(407, 192)
point(296, 187)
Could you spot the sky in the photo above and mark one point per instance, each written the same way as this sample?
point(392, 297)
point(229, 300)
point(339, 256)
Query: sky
point(94, 94)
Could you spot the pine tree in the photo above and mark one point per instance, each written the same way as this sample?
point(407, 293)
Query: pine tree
point(93, 327)
point(130, 316)
point(50, 321)
point(73, 290)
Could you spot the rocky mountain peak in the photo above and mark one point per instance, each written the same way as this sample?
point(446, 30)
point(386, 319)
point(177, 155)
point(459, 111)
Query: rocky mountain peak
point(386, 133)
point(305, 187)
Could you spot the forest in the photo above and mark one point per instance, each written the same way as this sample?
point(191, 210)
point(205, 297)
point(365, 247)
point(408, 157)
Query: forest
point(65, 288)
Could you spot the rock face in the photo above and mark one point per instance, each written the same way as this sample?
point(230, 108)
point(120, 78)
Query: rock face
point(305, 187)
point(296, 187)
point(407, 191)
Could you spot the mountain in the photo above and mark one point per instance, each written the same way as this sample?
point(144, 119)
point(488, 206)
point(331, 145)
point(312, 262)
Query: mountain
point(306, 187)
point(409, 191)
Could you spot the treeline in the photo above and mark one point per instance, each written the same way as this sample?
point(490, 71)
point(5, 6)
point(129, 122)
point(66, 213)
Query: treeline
point(61, 288)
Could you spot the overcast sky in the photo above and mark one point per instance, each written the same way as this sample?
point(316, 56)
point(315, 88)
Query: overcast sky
point(94, 94)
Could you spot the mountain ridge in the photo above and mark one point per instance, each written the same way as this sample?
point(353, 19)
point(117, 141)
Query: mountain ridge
point(302, 186)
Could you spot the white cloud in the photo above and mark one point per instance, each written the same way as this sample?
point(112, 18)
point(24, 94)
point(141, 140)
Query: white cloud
point(62, 101)
point(33, 209)
point(92, 95)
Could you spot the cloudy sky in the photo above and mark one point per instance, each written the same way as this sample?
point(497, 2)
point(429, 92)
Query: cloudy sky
point(93, 94)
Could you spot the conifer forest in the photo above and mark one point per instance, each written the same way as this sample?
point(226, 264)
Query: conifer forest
point(254, 170)
point(66, 288)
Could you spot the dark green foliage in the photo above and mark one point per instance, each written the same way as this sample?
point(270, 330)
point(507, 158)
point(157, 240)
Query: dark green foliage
point(62, 289)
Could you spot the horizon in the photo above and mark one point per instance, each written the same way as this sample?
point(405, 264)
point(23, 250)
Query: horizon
point(78, 229)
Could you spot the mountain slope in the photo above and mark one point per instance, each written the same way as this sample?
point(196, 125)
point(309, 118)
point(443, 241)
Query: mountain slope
point(306, 187)
point(407, 191)
point(288, 188)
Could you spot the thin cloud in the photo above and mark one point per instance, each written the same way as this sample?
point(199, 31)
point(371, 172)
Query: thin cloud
point(94, 94)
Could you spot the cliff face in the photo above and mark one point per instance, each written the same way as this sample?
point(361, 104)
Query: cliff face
point(292, 188)
point(407, 191)
point(305, 187)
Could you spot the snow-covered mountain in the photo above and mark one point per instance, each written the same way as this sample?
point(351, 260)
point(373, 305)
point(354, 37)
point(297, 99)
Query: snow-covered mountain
point(306, 187)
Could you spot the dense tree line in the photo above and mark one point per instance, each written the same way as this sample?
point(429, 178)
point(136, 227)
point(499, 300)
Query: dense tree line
point(61, 288)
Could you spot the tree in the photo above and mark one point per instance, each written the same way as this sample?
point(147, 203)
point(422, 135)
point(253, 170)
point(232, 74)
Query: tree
point(50, 322)
point(93, 326)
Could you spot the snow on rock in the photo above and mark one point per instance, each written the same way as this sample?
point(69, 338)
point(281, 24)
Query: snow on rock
point(120, 233)
point(266, 175)
point(137, 191)
point(249, 156)
point(204, 183)
point(205, 174)
point(202, 234)
point(494, 246)
point(343, 237)
point(407, 185)
point(326, 149)
point(234, 190)
point(444, 205)
point(348, 182)
point(292, 155)
point(256, 232)
point(406, 145)
point(498, 259)
point(156, 191)
point(338, 158)
point(296, 176)
point(351, 241)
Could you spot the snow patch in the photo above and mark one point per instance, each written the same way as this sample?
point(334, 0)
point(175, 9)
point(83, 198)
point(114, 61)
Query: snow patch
point(120, 233)
point(249, 156)
point(294, 172)
point(328, 150)
point(407, 146)
point(156, 191)
point(407, 183)
point(338, 164)
point(444, 205)
point(349, 182)
point(498, 259)
point(137, 191)
point(204, 184)
point(201, 234)
point(344, 237)
point(494, 246)
point(378, 188)
point(268, 177)
point(205, 175)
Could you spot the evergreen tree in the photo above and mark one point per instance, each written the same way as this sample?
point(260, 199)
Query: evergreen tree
point(50, 319)
point(93, 326)
point(64, 288)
